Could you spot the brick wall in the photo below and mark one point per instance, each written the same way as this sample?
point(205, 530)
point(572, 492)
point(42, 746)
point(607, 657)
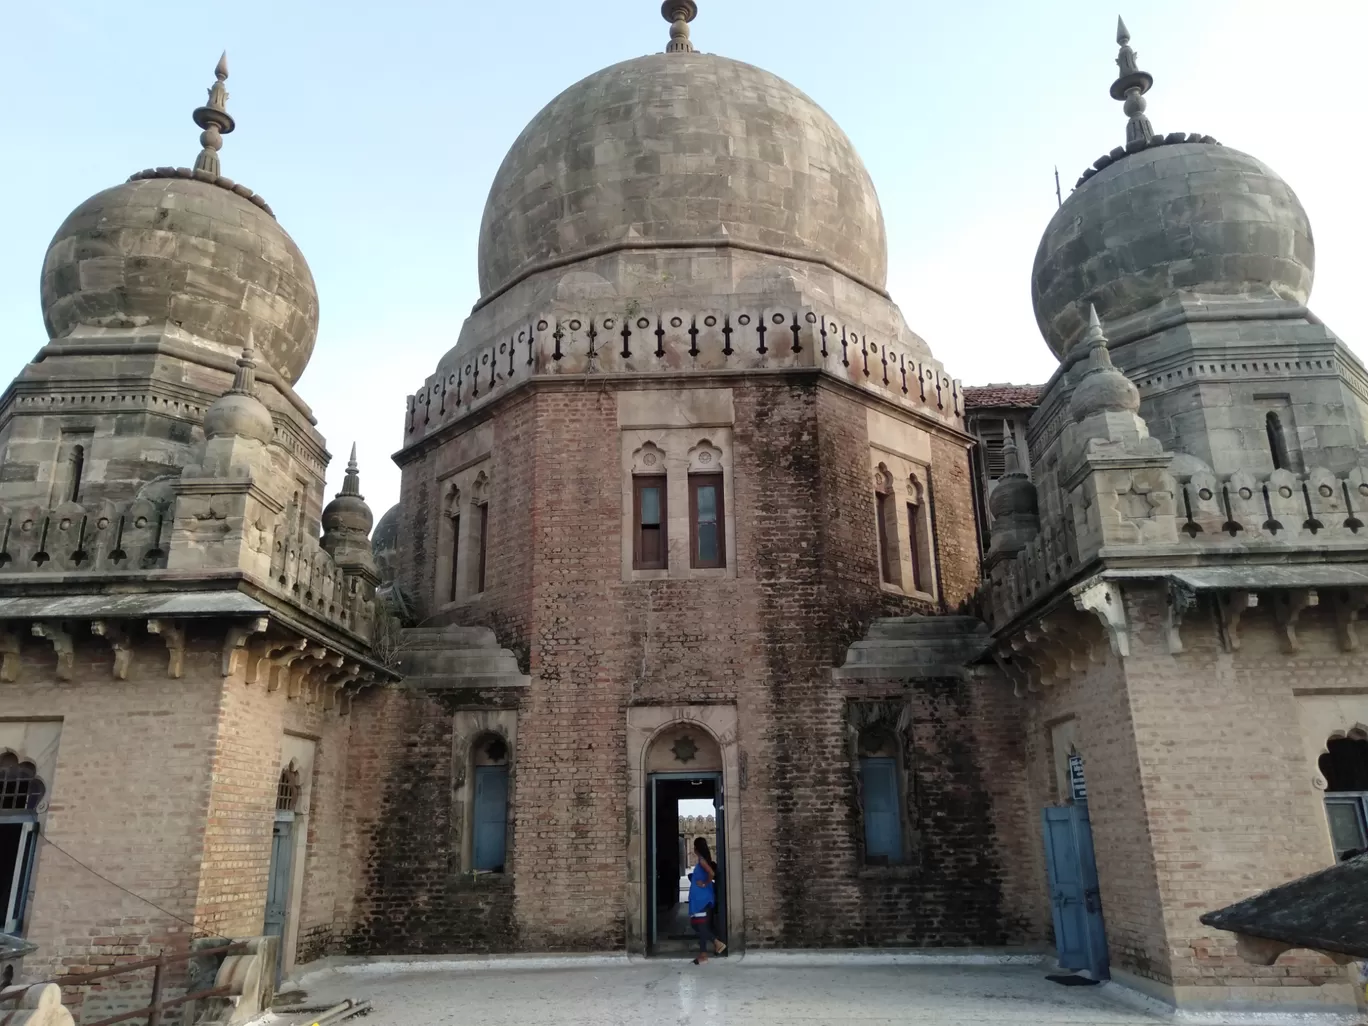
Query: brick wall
point(1222, 760)
point(806, 586)
point(1199, 788)
point(127, 804)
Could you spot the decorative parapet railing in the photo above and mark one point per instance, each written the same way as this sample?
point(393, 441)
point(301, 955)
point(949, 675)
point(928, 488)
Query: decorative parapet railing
point(682, 342)
point(302, 572)
point(103, 537)
point(74, 537)
point(1149, 514)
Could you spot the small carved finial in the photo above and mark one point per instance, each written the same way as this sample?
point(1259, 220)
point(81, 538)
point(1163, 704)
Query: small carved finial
point(1130, 87)
point(214, 119)
point(679, 13)
point(1094, 336)
point(351, 481)
point(245, 378)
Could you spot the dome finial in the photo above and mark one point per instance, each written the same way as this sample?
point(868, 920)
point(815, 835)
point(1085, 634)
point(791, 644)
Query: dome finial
point(214, 119)
point(679, 13)
point(245, 378)
point(1131, 86)
point(351, 480)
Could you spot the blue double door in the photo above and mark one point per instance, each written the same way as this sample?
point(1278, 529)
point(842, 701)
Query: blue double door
point(1075, 898)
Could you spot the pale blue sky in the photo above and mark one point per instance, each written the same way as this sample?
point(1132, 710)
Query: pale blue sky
point(374, 131)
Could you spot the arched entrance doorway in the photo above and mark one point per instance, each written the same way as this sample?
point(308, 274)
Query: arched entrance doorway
point(685, 801)
point(685, 775)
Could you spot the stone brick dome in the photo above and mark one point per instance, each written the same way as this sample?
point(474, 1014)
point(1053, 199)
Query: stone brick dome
point(191, 250)
point(680, 150)
point(1174, 217)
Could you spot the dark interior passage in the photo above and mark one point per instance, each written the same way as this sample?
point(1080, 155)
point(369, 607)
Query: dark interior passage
point(671, 849)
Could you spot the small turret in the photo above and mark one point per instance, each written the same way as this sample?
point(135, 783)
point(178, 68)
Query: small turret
point(1015, 507)
point(347, 522)
point(238, 412)
point(1103, 388)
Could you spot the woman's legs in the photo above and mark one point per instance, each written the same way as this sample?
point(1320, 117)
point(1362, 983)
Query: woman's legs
point(705, 938)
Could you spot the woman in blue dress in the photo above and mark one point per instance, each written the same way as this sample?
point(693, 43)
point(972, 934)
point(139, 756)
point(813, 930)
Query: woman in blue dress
point(703, 900)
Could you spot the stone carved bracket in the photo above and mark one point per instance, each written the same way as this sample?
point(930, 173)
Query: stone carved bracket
point(119, 641)
point(9, 657)
point(281, 662)
point(1180, 600)
point(1347, 605)
point(261, 659)
point(366, 679)
point(174, 636)
point(1287, 608)
point(1230, 606)
point(61, 642)
point(235, 642)
point(313, 676)
point(333, 685)
point(1014, 671)
point(300, 669)
point(1105, 600)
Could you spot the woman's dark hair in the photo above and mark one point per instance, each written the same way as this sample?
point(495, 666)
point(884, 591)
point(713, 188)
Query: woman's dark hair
point(702, 851)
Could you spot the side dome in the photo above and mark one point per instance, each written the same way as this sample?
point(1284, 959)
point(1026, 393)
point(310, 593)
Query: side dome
point(1180, 217)
point(185, 251)
point(678, 149)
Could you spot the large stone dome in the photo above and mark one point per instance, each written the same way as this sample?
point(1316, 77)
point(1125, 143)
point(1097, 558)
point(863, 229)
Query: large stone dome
point(186, 251)
point(681, 149)
point(1176, 217)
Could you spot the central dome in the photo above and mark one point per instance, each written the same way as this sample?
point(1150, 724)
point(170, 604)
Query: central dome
point(681, 149)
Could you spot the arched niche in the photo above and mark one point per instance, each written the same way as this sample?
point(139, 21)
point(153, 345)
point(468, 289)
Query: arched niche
point(684, 748)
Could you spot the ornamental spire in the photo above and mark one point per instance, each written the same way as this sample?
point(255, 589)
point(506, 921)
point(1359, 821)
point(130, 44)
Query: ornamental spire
point(245, 377)
point(214, 119)
point(351, 481)
point(1131, 86)
point(679, 13)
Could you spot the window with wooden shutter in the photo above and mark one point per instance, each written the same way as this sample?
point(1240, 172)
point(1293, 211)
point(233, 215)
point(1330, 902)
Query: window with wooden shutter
point(455, 522)
point(993, 436)
point(887, 516)
point(649, 546)
point(491, 818)
point(708, 536)
point(882, 810)
point(1345, 768)
point(482, 511)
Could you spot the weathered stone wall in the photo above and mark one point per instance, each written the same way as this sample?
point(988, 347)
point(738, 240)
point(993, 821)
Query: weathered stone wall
point(1189, 760)
point(802, 584)
point(400, 848)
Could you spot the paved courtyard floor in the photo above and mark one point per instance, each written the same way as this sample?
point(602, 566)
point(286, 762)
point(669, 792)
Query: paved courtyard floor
point(721, 993)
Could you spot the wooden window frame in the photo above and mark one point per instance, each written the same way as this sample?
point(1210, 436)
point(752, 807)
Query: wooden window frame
point(641, 482)
point(697, 481)
point(914, 533)
point(480, 580)
point(889, 556)
point(453, 589)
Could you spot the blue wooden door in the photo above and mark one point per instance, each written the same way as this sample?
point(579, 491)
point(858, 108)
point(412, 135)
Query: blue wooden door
point(1080, 935)
point(491, 817)
point(278, 882)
